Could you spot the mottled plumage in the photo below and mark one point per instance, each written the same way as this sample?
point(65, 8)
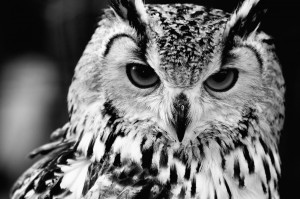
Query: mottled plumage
point(168, 101)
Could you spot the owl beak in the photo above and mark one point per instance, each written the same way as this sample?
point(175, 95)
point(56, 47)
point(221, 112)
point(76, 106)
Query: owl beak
point(180, 112)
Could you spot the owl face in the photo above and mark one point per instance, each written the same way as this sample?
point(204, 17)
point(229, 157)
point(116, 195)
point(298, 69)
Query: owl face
point(184, 71)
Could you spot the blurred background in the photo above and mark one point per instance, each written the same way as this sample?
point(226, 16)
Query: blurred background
point(40, 44)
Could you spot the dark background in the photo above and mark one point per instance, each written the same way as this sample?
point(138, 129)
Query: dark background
point(40, 44)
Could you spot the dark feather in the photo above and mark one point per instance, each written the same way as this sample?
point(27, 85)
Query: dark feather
point(43, 177)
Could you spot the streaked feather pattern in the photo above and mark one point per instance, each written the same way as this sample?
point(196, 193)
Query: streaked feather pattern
point(177, 139)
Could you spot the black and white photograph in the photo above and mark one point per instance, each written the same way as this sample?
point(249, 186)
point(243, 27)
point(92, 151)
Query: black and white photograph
point(149, 99)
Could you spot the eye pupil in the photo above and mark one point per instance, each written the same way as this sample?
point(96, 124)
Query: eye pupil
point(220, 77)
point(222, 81)
point(142, 72)
point(141, 76)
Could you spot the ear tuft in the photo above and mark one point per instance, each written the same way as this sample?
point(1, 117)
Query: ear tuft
point(245, 19)
point(131, 11)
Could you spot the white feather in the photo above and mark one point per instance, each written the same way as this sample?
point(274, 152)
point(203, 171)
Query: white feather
point(241, 12)
point(74, 176)
point(85, 142)
point(99, 149)
point(139, 5)
point(129, 147)
point(164, 175)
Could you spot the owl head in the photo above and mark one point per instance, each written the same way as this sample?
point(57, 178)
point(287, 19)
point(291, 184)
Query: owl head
point(181, 72)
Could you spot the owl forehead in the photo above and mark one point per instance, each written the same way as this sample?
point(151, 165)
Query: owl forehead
point(188, 40)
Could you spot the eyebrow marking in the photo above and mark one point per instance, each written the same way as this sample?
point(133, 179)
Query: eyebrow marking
point(230, 57)
point(258, 56)
point(112, 40)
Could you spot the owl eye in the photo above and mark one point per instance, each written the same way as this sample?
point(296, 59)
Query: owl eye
point(222, 81)
point(141, 76)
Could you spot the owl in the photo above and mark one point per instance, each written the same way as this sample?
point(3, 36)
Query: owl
point(168, 101)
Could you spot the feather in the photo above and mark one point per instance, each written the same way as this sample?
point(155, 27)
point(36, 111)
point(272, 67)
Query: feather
point(74, 177)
